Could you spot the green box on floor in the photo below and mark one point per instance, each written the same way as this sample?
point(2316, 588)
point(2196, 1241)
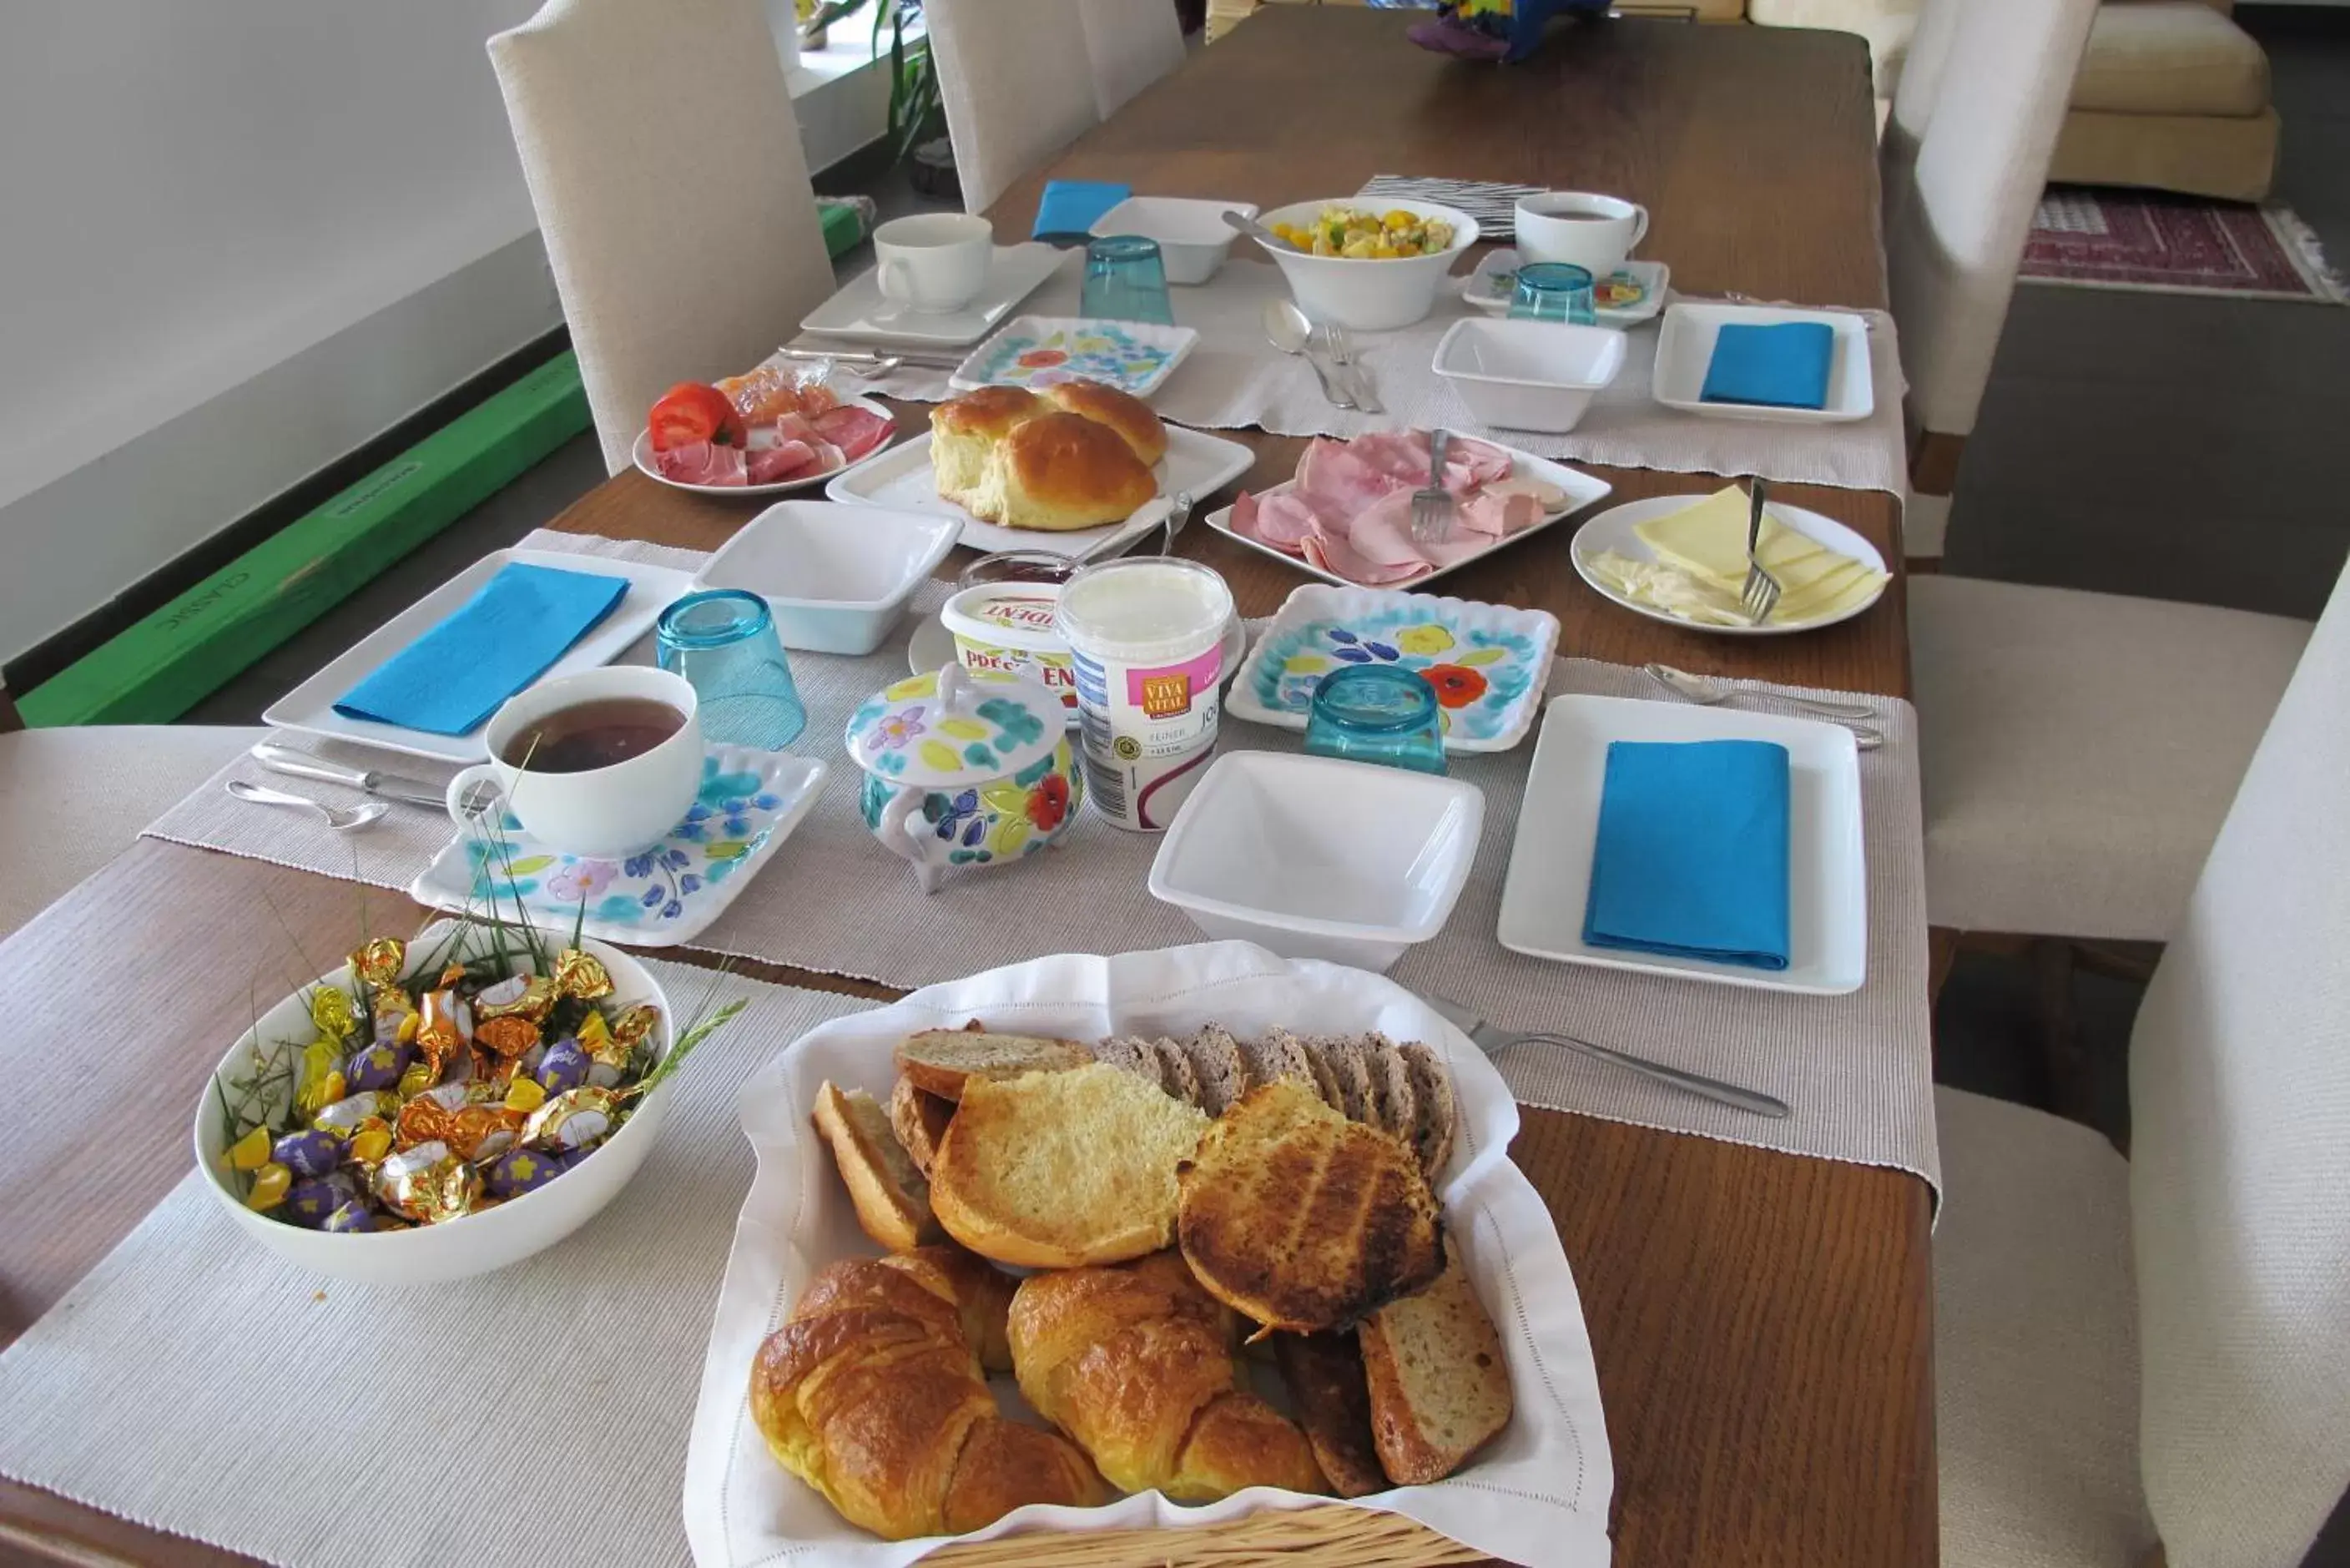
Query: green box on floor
point(167, 663)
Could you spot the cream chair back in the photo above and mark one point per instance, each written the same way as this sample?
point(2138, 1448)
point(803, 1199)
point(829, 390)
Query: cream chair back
point(1016, 83)
point(2240, 1163)
point(1132, 44)
point(665, 165)
point(1957, 219)
point(1921, 69)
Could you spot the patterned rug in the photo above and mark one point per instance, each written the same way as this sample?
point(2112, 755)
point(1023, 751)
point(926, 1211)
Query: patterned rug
point(2096, 238)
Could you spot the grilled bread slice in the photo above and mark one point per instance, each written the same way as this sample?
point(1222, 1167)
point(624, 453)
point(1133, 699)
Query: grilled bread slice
point(893, 1201)
point(941, 1060)
point(1294, 1216)
point(920, 1119)
point(1323, 1374)
point(1060, 1169)
point(1439, 1383)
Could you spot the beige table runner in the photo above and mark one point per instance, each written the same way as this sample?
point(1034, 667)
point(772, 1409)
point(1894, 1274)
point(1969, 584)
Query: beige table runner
point(196, 1383)
point(1856, 1068)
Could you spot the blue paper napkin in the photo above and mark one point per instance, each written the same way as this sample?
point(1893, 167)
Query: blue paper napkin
point(1070, 206)
point(453, 678)
point(1691, 857)
point(1782, 366)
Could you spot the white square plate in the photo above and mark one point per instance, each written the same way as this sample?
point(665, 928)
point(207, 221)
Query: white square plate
point(1489, 286)
point(309, 707)
point(1134, 357)
point(1685, 350)
point(900, 478)
point(859, 311)
point(1581, 490)
point(1827, 876)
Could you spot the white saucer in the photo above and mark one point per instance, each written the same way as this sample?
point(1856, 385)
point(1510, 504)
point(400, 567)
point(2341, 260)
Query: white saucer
point(859, 311)
point(1477, 292)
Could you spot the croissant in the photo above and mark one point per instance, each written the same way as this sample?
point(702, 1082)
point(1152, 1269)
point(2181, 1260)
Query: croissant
point(873, 1394)
point(1139, 1364)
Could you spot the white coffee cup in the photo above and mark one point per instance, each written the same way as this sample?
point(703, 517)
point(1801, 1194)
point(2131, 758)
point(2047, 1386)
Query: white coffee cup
point(607, 812)
point(1579, 227)
point(934, 262)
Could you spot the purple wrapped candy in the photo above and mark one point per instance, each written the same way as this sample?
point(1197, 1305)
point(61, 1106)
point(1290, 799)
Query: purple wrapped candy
point(312, 1203)
point(349, 1219)
point(520, 1170)
point(377, 1067)
point(308, 1153)
point(565, 1067)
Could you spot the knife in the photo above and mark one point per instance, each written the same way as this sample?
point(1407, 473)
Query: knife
point(861, 359)
point(1493, 1040)
point(390, 787)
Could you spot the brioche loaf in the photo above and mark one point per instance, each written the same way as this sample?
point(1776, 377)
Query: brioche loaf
point(1137, 1362)
point(940, 1061)
point(1055, 1169)
point(872, 1393)
point(1058, 473)
point(963, 434)
point(1439, 1383)
point(893, 1201)
point(1122, 411)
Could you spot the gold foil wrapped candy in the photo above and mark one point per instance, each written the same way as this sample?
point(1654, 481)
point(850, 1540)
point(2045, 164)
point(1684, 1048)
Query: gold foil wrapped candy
point(581, 975)
point(320, 1083)
point(507, 1033)
point(527, 997)
point(379, 963)
point(447, 1025)
point(332, 1011)
point(573, 1118)
point(428, 1184)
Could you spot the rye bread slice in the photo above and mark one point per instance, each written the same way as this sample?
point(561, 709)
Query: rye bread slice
point(1398, 1101)
point(1345, 1059)
point(1175, 1069)
point(1131, 1053)
point(1215, 1059)
point(1293, 1048)
point(1439, 1382)
point(1438, 1127)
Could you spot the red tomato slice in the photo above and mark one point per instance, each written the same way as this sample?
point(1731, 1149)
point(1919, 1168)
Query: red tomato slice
point(689, 413)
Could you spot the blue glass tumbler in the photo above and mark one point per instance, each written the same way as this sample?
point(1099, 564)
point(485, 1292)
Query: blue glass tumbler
point(1554, 291)
point(724, 642)
point(1125, 280)
point(1378, 713)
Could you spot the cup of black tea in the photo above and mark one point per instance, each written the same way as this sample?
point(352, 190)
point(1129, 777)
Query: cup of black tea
point(602, 764)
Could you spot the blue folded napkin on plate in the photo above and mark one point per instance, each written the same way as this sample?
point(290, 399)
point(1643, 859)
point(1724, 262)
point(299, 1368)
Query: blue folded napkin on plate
point(1070, 206)
point(1782, 366)
point(515, 624)
point(1691, 857)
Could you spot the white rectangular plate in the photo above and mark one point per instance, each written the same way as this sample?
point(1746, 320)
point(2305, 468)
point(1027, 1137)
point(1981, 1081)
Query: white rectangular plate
point(859, 311)
point(1685, 348)
point(1537, 1493)
point(1827, 876)
point(309, 707)
point(1581, 490)
point(1134, 357)
point(900, 480)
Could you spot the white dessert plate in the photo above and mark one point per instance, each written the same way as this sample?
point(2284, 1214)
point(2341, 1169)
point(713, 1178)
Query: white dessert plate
point(1616, 529)
point(859, 311)
point(641, 454)
point(1549, 879)
point(1489, 286)
point(1685, 350)
point(309, 707)
point(900, 480)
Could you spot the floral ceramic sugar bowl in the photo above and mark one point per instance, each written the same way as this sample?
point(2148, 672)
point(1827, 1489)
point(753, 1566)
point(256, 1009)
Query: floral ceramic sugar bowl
point(965, 768)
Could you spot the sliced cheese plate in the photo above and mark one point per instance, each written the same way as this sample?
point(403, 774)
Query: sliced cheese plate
point(1816, 590)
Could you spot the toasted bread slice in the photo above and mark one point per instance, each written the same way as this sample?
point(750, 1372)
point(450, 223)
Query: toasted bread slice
point(941, 1060)
point(1215, 1060)
point(1175, 1071)
point(1294, 1216)
point(1438, 1127)
point(1440, 1385)
point(920, 1119)
point(1060, 1169)
point(893, 1201)
point(1323, 1372)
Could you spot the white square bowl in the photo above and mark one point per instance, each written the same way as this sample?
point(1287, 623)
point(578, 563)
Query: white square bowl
point(836, 578)
point(1193, 238)
point(1319, 859)
point(1528, 375)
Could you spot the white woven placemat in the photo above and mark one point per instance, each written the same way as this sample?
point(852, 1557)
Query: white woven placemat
point(1856, 1068)
point(196, 1383)
point(1234, 379)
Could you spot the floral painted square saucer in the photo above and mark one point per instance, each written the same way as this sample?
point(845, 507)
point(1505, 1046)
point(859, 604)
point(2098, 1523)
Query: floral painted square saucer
point(1488, 663)
point(750, 802)
point(1042, 350)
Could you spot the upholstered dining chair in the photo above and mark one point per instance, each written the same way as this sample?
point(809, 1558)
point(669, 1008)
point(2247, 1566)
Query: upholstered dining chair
point(1132, 44)
point(665, 165)
point(1017, 84)
point(1962, 167)
point(2154, 1348)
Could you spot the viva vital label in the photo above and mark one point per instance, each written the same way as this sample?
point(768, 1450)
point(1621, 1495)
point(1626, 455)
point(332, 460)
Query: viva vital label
point(1146, 637)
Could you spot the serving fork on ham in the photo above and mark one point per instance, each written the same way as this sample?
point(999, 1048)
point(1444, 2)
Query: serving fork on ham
point(1349, 510)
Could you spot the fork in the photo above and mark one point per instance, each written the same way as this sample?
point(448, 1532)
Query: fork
point(1761, 594)
point(1431, 508)
point(1342, 354)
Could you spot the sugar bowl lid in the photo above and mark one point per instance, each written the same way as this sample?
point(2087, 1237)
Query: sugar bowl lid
point(956, 728)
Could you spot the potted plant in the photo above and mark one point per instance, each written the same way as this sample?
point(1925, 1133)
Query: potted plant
point(917, 122)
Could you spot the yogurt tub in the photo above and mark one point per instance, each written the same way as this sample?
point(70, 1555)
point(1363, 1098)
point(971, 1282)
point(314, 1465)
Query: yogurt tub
point(1146, 636)
point(1009, 626)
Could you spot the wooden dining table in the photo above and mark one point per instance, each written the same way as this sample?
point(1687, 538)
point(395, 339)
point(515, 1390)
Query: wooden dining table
point(1761, 1321)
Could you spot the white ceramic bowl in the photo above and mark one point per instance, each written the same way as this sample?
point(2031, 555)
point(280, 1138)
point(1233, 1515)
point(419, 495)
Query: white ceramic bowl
point(1315, 857)
point(836, 578)
point(1367, 295)
point(1528, 375)
point(477, 1243)
point(1193, 238)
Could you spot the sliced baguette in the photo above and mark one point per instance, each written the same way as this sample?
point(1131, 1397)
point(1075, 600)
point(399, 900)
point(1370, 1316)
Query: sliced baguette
point(1060, 1169)
point(1440, 1385)
point(920, 1119)
point(1439, 1114)
point(1323, 1374)
point(941, 1060)
point(893, 1201)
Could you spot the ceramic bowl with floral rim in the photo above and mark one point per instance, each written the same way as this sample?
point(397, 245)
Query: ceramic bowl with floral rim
point(1488, 663)
point(1035, 352)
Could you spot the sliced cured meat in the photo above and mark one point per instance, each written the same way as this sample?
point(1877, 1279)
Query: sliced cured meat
point(855, 431)
point(773, 464)
point(1349, 510)
point(703, 462)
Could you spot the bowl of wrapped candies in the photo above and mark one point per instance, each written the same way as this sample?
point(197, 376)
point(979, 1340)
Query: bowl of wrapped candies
point(441, 1105)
